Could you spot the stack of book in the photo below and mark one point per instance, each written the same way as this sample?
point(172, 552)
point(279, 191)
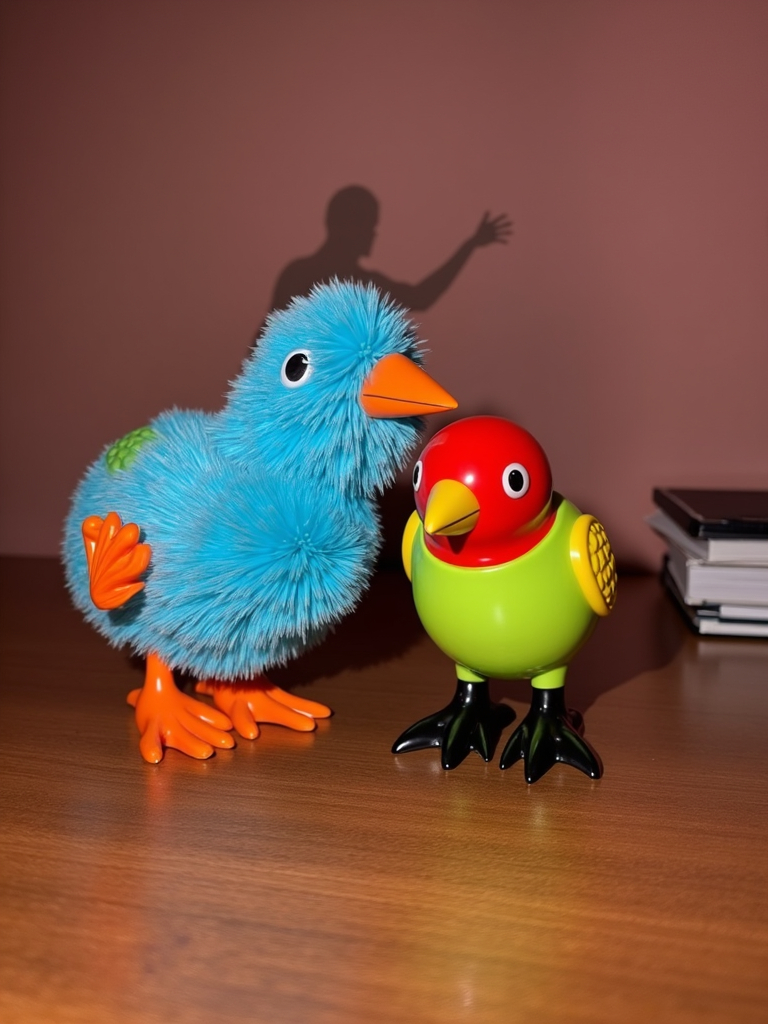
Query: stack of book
point(716, 565)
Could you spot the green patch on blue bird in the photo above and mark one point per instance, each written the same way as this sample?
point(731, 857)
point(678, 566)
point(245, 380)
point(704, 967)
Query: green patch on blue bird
point(123, 452)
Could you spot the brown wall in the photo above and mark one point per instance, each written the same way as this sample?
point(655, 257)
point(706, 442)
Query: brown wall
point(162, 160)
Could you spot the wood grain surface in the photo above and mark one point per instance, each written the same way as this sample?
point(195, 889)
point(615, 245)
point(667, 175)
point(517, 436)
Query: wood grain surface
point(318, 878)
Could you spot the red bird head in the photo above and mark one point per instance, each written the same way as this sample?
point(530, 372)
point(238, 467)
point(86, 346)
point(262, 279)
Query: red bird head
point(483, 490)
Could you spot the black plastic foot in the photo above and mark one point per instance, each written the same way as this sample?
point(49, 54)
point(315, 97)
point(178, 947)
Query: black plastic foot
point(472, 721)
point(550, 733)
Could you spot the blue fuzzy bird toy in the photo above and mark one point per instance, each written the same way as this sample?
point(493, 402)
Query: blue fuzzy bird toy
point(223, 544)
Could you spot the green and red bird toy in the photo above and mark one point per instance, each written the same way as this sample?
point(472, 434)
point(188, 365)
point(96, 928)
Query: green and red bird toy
point(509, 580)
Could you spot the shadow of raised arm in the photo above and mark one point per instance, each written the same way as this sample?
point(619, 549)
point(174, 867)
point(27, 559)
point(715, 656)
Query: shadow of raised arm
point(426, 292)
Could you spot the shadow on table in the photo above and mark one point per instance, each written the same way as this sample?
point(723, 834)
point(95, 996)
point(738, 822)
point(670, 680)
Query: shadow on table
point(639, 636)
point(383, 626)
point(642, 634)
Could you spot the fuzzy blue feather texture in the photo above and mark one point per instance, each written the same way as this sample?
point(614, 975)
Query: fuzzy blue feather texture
point(320, 429)
point(260, 517)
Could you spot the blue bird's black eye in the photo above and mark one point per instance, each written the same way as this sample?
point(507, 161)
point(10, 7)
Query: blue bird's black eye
point(297, 369)
point(515, 480)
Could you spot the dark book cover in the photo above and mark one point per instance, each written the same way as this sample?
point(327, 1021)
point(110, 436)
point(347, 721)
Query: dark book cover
point(705, 513)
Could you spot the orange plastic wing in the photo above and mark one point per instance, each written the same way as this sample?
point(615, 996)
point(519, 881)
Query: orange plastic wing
point(116, 560)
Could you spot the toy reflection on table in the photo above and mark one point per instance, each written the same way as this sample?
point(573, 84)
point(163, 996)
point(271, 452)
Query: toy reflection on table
point(250, 531)
point(509, 580)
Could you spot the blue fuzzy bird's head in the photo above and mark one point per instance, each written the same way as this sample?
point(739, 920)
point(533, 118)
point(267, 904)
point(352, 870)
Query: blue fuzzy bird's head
point(296, 406)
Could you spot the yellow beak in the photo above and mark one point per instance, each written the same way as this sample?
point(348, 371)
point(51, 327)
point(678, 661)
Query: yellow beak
point(397, 387)
point(452, 509)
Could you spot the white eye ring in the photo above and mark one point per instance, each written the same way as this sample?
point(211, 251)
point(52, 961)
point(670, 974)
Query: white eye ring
point(298, 374)
point(418, 473)
point(521, 480)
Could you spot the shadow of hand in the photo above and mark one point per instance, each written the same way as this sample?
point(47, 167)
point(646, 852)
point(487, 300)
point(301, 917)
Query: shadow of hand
point(492, 229)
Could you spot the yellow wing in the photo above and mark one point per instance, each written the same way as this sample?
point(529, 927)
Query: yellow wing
point(407, 543)
point(594, 564)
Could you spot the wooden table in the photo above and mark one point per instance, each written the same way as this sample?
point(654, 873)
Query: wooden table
point(317, 878)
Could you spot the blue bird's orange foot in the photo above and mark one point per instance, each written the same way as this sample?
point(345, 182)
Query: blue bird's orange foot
point(166, 717)
point(472, 721)
point(550, 733)
point(260, 701)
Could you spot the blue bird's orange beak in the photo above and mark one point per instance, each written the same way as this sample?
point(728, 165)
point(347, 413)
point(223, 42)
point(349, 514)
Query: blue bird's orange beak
point(397, 387)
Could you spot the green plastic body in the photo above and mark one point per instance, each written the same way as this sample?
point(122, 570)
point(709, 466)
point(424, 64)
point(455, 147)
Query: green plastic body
point(524, 619)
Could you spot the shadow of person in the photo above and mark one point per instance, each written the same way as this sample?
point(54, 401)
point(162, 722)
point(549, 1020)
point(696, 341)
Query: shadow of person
point(351, 222)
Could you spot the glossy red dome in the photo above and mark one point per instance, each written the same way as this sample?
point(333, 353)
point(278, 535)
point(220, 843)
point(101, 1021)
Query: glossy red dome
point(508, 473)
